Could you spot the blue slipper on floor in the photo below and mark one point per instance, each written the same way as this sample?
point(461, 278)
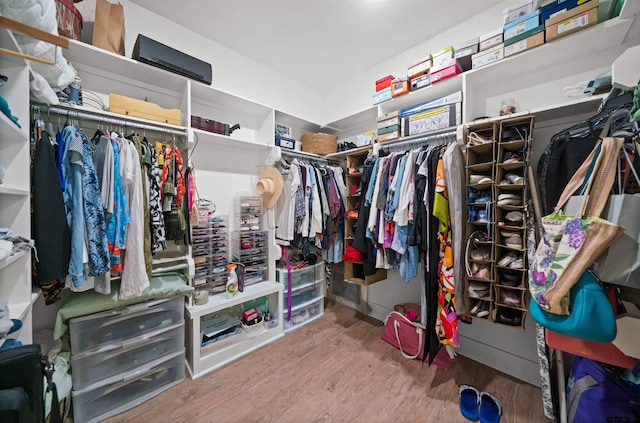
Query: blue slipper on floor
point(490, 409)
point(469, 396)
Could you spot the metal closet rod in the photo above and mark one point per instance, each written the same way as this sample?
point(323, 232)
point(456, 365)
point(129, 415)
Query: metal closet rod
point(449, 135)
point(97, 117)
point(303, 156)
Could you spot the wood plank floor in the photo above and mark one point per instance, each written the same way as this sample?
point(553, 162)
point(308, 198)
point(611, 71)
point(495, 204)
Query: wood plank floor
point(335, 369)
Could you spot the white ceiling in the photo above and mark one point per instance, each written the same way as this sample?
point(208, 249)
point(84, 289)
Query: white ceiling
point(318, 42)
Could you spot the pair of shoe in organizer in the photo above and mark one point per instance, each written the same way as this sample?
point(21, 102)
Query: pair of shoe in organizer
point(479, 406)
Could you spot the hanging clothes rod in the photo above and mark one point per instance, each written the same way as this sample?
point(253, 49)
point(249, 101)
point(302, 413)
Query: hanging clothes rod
point(304, 156)
point(445, 137)
point(99, 116)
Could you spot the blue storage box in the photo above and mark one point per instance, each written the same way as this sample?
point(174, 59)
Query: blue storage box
point(382, 95)
point(285, 142)
point(522, 25)
point(556, 6)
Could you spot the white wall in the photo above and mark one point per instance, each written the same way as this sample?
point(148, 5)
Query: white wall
point(232, 72)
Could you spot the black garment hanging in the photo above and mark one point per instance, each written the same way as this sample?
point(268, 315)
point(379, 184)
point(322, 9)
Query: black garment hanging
point(431, 280)
point(361, 242)
point(50, 230)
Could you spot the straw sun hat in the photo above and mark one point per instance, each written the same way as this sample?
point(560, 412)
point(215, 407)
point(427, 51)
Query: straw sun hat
point(269, 186)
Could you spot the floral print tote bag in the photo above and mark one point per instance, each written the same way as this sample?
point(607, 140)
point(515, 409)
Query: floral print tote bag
point(571, 244)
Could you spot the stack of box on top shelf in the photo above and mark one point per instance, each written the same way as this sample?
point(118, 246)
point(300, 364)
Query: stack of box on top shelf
point(464, 51)
point(210, 252)
point(564, 17)
point(510, 216)
point(523, 33)
point(491, 49)
point(383, 89)
point(249, 242)
point(440, 113)
point(418, 73)
point(445, 65)
point(389, 126)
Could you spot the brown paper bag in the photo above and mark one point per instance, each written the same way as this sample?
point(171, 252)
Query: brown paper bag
point(108, 29)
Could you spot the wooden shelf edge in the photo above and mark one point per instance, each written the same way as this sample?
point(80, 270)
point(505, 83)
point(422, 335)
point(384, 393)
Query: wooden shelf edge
point(33, 32)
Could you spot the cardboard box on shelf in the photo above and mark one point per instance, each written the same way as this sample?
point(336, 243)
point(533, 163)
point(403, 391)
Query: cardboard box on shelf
point(388, 116)
point(433, 119)
point(572, 20)
point(527, 43)
point(527, 34)
point(518, 10)
point(382, 96)
point(442, 56)
point(389, 122)
point(484, 58)
point(399, 87)
point(465, 50)
point(419, 69)
point(445, 73)
point(383, 83)
point(455, 97)
point(420, 82)
point(522, 25)
point(387, 129)
point(552, 8)
point(491, 39)
point(389, 136)
point(142, 109)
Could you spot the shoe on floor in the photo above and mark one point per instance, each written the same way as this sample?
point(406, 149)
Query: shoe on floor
point(481, 310)
point(469, 401)
point(490, 409)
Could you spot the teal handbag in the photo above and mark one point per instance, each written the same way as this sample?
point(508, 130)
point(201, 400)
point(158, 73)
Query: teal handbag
point(591, 316)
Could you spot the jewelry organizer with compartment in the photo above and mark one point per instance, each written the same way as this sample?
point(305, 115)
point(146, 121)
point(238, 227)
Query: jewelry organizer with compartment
point(210, 253)
point(496, 256)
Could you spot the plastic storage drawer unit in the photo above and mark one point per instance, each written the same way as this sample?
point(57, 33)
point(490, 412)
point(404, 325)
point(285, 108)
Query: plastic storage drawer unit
point(303, 276)
point(98, 364)
point(305, 294)
point(303, 313)
point(127, 390)
point(112, 327)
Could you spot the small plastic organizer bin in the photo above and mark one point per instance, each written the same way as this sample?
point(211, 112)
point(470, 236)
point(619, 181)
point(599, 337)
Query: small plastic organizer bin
point(127, 390)
point(210, 252)
point(251, 249)
point(115, 326)
point(249, 213)
point(98, 364)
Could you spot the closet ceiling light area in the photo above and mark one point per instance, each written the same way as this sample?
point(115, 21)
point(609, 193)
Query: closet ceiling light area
point(319, 42)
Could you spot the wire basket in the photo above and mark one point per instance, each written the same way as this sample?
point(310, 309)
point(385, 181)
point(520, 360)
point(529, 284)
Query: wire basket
point(319, 143)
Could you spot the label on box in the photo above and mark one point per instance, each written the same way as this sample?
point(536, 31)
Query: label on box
point(515, 30)
point(515, 48)
point(486, 44)
point(574, 23)
point(423, 81)
point(467, 51)
point(433, 119)
point(389, 122)
point(487, 57)
point(389, 136)
point(455, 97)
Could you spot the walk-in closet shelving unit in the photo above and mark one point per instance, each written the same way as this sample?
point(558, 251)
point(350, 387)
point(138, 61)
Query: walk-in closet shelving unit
point(15, 270)
point(225, 165)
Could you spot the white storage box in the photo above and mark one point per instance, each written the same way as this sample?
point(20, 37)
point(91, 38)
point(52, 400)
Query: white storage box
point(304, 276)
point(303, 313)
point(96, 365)
point(127, 390)
point(304, 294)
point(114, 326)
